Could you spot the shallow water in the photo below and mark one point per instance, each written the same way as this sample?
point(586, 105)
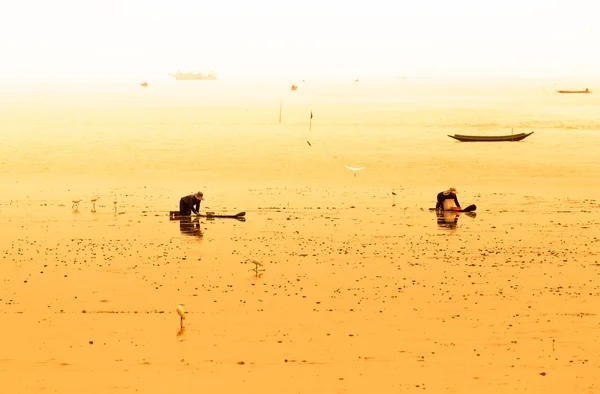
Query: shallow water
point(182, 136)
point(362, 291)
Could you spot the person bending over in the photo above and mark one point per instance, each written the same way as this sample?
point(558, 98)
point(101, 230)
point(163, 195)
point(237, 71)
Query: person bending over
point(447, 200)
point(191, 203)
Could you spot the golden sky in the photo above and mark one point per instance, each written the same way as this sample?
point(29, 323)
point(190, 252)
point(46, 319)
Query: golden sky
point(133, 39)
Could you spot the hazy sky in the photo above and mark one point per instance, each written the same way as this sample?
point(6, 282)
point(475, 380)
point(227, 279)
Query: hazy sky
point(141, 40)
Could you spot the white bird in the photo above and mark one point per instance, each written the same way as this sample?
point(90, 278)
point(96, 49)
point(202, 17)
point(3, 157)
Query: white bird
point(355, 169)
point(257, 263)
point(181, 313)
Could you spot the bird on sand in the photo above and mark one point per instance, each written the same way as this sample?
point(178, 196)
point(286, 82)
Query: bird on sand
point(94, 202)
point(181, 313)
point(75, 204)
point(257, 263)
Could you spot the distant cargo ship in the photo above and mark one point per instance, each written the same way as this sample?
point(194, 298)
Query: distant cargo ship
point(574, 91)
point(192, 76)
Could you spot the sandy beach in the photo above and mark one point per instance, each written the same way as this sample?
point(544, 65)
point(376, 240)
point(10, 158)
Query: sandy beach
point(361, 291)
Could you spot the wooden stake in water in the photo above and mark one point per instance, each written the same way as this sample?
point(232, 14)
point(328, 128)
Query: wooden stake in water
point(280, 105)
point(310, 125)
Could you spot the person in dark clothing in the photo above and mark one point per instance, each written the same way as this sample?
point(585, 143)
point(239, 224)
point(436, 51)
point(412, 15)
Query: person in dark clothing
point(447, 200)
point(189, 204)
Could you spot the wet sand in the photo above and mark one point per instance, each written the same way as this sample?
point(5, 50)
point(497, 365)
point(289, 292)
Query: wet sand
point(362, 292)
point(353, 298)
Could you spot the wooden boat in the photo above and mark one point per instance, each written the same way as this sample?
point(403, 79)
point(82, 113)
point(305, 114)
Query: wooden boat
point(574, 91)
point(490, 138)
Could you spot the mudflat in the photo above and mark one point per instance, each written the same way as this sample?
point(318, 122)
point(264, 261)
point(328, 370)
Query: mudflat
point(362, 288)
point(351, 298)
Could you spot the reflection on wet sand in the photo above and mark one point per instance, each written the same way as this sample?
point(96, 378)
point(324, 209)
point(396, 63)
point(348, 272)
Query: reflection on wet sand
point(257, 274)
point(447, 219)
point(190, 226)
point(181, 334)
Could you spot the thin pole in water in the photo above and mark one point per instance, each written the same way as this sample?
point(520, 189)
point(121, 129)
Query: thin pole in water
point(280, 105)
point(310, 125)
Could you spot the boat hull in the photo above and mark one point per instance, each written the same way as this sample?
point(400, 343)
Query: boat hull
point(486, 138)
point(574, 91)
point(194, 76)
point(194, 79)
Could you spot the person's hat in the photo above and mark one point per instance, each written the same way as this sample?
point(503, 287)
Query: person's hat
point(449, 191)
point(199, 196)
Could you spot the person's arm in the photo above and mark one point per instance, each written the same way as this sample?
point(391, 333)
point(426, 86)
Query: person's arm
point(456, 201)
point(196, 207)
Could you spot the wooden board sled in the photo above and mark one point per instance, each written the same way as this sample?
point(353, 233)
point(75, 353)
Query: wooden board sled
point(470, 208)
point(209, 215)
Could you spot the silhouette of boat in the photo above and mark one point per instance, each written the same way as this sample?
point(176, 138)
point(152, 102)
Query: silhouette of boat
point(488, 138)
point(294, 87)
point(575, 91)
point(194, 76)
